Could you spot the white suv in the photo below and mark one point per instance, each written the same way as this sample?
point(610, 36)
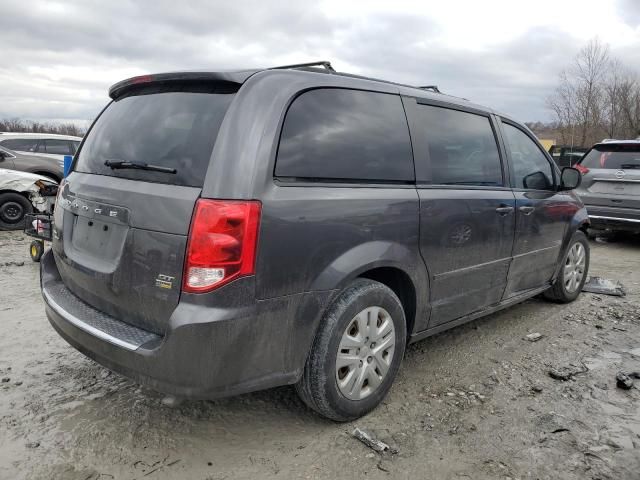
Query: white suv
point(46, 144)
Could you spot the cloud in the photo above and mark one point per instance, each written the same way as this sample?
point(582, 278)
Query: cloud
point(629, 11)
point(60, 57)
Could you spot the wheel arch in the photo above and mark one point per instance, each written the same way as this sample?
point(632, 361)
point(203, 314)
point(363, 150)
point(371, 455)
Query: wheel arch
point(8, 190)
point(579, 222)
point(400, 283)
point(393, 264)
point(48, 174)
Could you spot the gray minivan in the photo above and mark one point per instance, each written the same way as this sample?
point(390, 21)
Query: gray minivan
point(224, 232)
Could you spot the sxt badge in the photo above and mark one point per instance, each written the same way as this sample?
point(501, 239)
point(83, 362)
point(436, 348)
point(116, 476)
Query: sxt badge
point(164, 281)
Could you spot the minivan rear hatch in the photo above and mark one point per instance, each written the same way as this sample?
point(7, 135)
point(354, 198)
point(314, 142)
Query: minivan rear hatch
point(123, 215)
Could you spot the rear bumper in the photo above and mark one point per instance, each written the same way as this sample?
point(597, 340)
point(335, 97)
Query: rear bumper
point(206, 352)
point(614, 218)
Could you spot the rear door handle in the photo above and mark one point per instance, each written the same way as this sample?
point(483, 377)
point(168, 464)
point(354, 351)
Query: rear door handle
point(504, 210)
point(527, 210)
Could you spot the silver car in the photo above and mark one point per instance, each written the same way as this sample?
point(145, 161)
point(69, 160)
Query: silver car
point(610, 187)
point(52, 168)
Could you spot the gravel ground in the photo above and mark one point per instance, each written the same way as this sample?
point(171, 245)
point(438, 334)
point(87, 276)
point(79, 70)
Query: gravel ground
point(475, 402)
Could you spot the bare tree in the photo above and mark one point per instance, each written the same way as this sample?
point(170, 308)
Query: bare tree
point(612, 105)
point(629, 99)
point(578, 100)
point(19, 125)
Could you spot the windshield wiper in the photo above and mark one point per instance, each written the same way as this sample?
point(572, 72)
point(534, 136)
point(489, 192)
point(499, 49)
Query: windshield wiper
point(115, 165)
point(630, 166)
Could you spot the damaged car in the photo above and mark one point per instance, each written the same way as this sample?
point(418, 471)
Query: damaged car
point(22, 193)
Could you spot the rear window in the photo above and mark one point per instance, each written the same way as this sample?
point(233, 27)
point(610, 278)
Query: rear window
point(20, 144)
point(159, 127)
point(615, 157)
point(59, 147)
point(344, 135)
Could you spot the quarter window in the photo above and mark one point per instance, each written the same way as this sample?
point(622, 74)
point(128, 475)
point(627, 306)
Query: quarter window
point(531, 169)
point(346, 135)
point(59, 147)
point(462, 147)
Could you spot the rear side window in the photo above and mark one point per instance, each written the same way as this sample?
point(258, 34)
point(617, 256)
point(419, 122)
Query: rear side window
point(346, 135)
point(531, 169)
point(614, 157)
point(462, 147)
point(59, 147)
point(160, 127)
point(20, 144)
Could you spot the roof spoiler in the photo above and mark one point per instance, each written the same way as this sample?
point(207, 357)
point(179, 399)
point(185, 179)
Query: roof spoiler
point(232, 79)
point(322, 63)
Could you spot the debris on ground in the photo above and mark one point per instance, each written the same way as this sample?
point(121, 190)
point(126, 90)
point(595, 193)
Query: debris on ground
point(566, 373)
point(533, 337)
point(92, 424)
point(171, 401)
point(17, 264)
point(372, 442)
point(625, 380)
point(604, 286)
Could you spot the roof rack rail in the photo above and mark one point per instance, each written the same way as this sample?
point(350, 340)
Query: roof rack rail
point(433, 88)
point(322, 63)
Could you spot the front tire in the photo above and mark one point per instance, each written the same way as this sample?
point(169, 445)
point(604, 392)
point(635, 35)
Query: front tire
point(356, 354)
point(573, 271)
point(13, 208)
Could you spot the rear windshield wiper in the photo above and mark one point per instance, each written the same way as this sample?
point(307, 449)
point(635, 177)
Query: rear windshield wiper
point(114, 165)
point(630, 166)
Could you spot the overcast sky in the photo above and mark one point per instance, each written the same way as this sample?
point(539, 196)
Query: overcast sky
point(59, 57)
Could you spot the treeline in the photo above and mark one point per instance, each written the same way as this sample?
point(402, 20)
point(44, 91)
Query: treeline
point(29, 126)
point(597, 97)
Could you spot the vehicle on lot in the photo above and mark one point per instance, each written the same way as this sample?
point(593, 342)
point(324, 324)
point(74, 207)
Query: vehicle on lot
point(610, 187)
point(227, 232)
point(21, 194)
point(52, 168)
point(566, 155)
point(46, 144)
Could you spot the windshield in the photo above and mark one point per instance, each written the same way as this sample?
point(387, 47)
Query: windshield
point(173, 129)
point(616, 157)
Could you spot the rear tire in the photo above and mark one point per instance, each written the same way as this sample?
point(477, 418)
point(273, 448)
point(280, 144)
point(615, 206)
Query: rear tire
point(573, 271)
point(13, 208)
point(364, 330)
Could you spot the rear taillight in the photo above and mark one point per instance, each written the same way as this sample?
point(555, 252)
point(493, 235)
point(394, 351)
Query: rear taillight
point(583, 170)
point(61, 185)
point(222, 243)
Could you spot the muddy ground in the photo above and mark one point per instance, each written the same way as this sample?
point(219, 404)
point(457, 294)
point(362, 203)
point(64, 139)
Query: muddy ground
point(475, 402)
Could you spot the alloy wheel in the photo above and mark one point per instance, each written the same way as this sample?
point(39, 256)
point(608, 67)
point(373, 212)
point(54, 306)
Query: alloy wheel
point(574, 267)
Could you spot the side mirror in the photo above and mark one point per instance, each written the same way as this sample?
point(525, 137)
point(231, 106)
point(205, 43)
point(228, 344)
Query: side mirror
point(570, 178)
point(537, 181)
